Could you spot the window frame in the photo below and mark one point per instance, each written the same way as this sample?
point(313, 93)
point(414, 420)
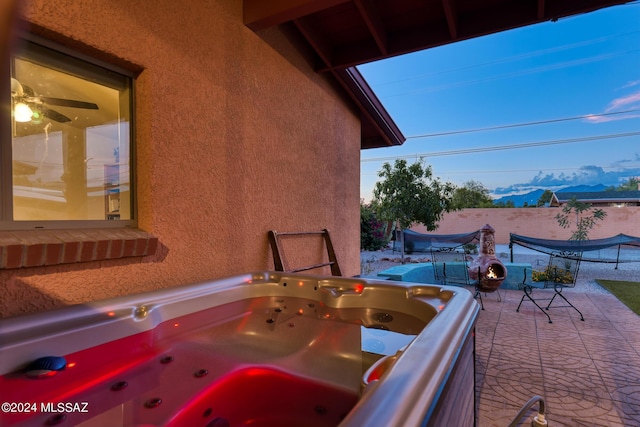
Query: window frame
point(57, 52)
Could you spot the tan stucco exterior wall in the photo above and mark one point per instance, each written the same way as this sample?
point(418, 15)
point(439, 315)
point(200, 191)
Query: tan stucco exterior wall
point(534, 222)
point(236, 135)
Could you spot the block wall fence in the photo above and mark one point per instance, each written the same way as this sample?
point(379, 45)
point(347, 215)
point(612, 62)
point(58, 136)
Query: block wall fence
point(534, 222)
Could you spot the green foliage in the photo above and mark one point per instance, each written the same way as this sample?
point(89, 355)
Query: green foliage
point(410, 195)
point(371, 229)
point(472, 194)
point(501, 204)
point(553, 274)
point(470, 248)
point(545, 197)
point(631, 185)
point(585, 218)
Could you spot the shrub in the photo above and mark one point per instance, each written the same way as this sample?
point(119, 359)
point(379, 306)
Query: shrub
point(554, 274)
point(371, 229)
point(470, 248)
point(585, 218)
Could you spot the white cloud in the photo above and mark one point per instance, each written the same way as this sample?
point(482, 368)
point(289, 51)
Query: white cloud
point(631, 84)
point(623, 103)
point(586, 175)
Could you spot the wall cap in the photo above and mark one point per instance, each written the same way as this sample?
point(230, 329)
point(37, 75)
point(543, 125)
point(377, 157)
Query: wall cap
point(36, 248)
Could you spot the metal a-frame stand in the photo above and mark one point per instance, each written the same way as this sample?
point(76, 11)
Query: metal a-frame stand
point(279, 259)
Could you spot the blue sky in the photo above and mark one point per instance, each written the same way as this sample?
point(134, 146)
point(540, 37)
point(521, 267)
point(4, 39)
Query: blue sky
point(585, 65)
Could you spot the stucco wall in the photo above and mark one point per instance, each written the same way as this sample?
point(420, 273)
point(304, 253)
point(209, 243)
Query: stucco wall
point(236, 135)
point(534, 222)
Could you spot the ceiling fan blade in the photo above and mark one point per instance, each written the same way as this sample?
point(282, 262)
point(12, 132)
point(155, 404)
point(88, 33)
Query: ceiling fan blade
point(68, 103)
point(16, 88)
point(54, 115)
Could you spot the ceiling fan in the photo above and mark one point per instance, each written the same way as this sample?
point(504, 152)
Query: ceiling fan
point(27, 104)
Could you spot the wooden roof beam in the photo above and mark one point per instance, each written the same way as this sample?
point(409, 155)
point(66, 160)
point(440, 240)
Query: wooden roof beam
point(261, 14)
point(317, 40)
point(452, 18)
point(371, 15)
point(406, 41)
point(540, 9)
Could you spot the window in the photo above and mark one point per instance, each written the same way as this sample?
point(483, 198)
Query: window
point(66, 149)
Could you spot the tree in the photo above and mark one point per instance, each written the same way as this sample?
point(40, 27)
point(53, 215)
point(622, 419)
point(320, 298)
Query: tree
point(409, 194)
point(503, 204)
point(472, 194)
point(545, 197)
point(585, 219)
point(632, 185)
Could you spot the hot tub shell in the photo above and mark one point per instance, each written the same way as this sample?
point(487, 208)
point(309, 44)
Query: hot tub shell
point(285, 325)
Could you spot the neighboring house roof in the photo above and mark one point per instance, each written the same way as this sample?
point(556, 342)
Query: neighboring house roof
point(596, 196)
point(346, 33)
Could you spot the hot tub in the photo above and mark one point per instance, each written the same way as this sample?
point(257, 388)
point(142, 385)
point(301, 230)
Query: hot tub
point(261, 349)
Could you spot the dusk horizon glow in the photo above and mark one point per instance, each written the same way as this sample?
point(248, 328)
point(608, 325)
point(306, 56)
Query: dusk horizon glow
point(545, 106)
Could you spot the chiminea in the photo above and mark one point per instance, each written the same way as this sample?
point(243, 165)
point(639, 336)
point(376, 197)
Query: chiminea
point(487, 270)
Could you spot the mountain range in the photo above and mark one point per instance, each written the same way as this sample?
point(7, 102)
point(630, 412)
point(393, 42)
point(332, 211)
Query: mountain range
point(531, 198)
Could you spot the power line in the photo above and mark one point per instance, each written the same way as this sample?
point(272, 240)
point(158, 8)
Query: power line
point(493, 171)
point(503, 147)
point(456, 132)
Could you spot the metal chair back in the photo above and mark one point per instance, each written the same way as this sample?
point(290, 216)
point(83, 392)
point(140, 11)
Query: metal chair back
point(450, 265)
point(562, 270)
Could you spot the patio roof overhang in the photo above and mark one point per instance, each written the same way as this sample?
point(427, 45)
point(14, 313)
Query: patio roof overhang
point(345, 33)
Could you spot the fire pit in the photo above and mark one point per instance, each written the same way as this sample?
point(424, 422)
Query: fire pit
point(487, 270)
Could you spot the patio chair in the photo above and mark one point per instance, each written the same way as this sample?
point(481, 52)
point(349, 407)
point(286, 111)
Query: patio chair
point(451, 267)
point(561, 273)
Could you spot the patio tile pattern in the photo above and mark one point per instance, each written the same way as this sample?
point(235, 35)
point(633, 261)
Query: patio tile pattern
point(587, 372)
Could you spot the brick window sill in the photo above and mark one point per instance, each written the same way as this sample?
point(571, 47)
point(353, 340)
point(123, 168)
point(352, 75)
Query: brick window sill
point(35, 248)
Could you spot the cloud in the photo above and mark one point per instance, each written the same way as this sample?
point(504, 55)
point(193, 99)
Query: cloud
point(603, 119)
point(586, 175)
point(623, 103)
point(621, 163)
point(631, 84)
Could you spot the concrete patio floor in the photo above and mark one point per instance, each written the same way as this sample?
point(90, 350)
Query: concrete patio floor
point(587, 372)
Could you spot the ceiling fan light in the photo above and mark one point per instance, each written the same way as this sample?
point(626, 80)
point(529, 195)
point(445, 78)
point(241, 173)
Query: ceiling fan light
point(22, 113)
